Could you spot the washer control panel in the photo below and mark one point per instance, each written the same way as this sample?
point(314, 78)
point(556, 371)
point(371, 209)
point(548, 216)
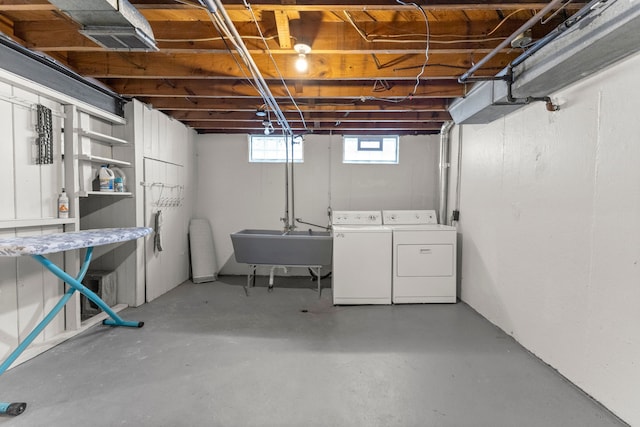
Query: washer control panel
point(356, 218)
point(409, 217)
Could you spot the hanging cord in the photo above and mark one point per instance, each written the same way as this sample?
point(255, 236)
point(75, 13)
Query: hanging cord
point(456, 38)
point(424, 64)
point(266, 45)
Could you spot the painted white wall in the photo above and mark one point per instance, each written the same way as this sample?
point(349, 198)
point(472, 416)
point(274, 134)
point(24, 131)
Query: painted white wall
point(550, 225)
point(27, 292)
point(29, 192)
point(169, 163)
point(234, 194)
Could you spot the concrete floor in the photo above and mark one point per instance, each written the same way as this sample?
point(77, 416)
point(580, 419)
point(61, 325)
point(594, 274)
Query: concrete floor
point(210, 356)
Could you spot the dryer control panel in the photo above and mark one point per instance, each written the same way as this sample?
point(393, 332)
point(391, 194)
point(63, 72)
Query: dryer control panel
point(409, 217)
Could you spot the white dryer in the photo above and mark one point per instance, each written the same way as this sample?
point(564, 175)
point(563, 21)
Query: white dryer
point(424, 257)
point(361, 258)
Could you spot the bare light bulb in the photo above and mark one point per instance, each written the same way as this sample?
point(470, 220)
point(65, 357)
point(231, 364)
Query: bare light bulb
point(301, 63)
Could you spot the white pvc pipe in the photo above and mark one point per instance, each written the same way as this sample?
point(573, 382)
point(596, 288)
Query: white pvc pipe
point(444, 171)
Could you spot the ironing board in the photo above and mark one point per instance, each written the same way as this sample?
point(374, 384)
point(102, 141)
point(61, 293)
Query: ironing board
point(37, 247)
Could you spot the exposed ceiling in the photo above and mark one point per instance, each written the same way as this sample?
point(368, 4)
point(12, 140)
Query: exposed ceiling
point(365, 71)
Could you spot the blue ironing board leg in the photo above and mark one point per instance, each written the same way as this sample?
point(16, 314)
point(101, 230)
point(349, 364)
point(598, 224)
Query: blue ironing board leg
point(12, 408)
point(49, 317)
point(18, 408)
point(60, 242)
point(78, 286)
point(74, 285)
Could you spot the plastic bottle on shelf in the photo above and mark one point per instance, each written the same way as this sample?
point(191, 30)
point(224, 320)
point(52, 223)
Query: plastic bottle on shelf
point(63, 205)
point(118, 185)
point(106, 178)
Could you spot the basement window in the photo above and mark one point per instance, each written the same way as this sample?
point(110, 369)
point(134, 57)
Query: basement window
point(370, 149)
point(273, 149)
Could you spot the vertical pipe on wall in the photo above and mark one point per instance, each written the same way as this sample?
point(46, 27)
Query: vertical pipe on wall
point(293, 200)
point(444, 171)
point(285, 218)
point(459, 170)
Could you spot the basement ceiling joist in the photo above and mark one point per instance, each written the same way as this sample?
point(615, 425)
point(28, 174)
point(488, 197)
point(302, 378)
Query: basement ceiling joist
point(365, 68)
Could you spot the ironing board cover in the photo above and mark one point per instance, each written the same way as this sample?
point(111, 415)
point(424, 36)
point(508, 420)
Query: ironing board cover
point(59, 242)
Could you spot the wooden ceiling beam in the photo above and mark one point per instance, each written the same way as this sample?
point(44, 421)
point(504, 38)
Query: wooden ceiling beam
point(224, 104)
point(282, 24)
point(26, 5)
point(324, 67)
point(325, 116)
point(399, 132)
point(311, 89)
point(329, 38)
point(332, 5)
point(322, 127)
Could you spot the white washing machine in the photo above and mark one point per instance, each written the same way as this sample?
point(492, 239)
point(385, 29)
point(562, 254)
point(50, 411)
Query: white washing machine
point(424, 257)
point(361, 258)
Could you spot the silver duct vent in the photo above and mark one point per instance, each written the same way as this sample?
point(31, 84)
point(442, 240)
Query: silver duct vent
point(609, 32)
point(113, 24)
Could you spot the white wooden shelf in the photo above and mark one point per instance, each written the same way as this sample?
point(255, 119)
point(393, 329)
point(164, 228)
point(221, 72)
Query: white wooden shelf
point(40, 222)
point(103, 160)
point(105, 193)
point(101, 137)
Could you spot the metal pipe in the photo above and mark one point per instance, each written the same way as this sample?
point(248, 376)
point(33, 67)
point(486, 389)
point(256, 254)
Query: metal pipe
point(285, 219)
point(576, 17)
point(444, 171)
point(293, 197)
point(535, 18)
point(456, 208)
point(217, 8)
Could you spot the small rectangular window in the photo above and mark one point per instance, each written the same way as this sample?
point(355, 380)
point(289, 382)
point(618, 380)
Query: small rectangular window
point(273, 149)
point(370, 150)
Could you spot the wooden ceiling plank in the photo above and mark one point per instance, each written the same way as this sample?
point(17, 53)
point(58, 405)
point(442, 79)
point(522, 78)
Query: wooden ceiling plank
point(241, 89)
point(305, 5)
point(323, 67)
point(322, 125)
point(331, 38)
point(326, 116)
point(282, 24)
point(224, 104)
point(323, 5)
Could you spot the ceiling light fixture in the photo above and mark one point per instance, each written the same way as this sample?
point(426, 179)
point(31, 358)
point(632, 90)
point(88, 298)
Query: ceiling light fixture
point(260, 112)
point(303, 50)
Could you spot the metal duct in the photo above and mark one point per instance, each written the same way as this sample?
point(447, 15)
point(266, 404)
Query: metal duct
point(113, 24)
point(608, 32)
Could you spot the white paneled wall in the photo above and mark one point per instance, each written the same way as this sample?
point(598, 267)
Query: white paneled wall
point(234, 194)
point(550, 225)
point(29, 192)
point(169, 182)
point(163, 146)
